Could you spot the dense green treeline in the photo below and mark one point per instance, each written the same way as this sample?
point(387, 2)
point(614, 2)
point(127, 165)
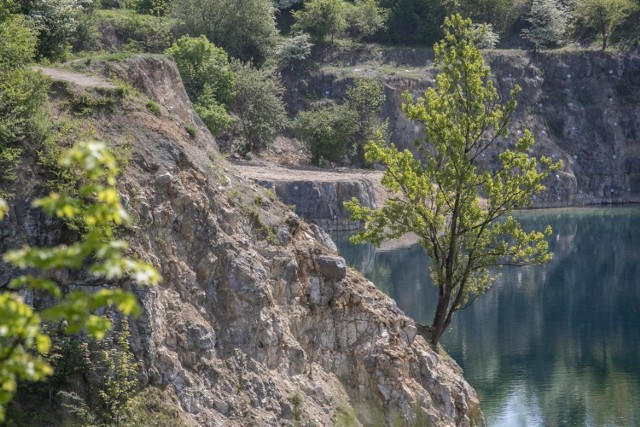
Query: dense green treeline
point(254, 41)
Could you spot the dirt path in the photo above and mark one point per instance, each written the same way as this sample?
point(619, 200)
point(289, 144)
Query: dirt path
point(75, 78)
point(270, 172)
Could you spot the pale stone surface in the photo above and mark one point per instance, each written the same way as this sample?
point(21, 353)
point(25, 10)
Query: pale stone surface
point(246, 323)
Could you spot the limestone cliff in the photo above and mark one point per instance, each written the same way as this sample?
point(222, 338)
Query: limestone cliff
point(582, 107)
point(257, 322)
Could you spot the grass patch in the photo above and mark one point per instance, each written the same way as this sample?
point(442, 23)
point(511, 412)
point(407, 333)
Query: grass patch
point(191, 130)
point(153, 108)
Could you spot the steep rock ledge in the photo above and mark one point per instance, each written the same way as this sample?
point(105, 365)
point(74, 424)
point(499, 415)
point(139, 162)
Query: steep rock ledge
point(256, 322)
point(582, 107)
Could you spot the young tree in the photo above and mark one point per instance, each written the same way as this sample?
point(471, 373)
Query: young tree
point(294, 49)
point(321, 18)
point(548, 20)
point(604, 15)
point(328, 132)
point(440, 199)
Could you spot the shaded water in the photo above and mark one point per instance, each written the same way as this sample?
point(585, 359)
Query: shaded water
point(557, 345)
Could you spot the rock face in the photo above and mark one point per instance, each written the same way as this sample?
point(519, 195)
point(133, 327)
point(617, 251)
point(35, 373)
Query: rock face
point(323, 202)
point(257, 322)
point(582, 107)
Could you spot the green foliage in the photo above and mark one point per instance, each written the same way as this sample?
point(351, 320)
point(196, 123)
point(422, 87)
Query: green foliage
point(208, 79)
point(23, 92)
point(327, 131)
point(151, 7)
point(413, 21)
point(321, 18)
point(213, 114)
point(203, 66)
point(259, 105)
point(243, 28)
point(87, 101)
point(121, 376)
point(339, 132)
point(548, 20)
point(143, 33)
point(56, 22)
point(497, 12)
point(153, 108)
point(604, 16)
point(294, 49)
point(440, 199)
point(486, 38)
point(365, 19)
point(99, 203)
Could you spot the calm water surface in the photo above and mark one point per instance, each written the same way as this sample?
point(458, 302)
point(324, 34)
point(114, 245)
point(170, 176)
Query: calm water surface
point(557, 345)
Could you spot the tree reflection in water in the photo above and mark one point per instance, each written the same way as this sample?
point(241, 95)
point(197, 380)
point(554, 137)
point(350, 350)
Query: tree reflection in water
point(549, 346)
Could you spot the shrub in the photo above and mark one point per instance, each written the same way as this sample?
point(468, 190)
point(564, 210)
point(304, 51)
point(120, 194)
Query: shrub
point(203, 65)
point(321, 18)
point(294, 49)
point(213, 114)
point(259, 105)
point(191, 130)
point(486, 38)
point(364, 99)
point(142, 33)
point(327, 131)
point(56, 22)
point(23, 92)
point(548, 20)
point(365, 19)
point(246, 29)
point(153, 108)
point(208, 79)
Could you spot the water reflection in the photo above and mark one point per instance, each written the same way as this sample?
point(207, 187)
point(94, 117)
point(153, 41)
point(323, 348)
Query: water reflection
point(551, 346)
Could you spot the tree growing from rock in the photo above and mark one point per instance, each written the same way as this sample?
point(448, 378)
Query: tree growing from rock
point(458, 207)
point(604, 16)
point(208, 79)
point(548, 20)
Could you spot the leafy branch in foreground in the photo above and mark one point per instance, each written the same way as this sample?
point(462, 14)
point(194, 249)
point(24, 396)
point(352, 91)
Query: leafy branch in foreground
point(457, 205)
point(22, 340)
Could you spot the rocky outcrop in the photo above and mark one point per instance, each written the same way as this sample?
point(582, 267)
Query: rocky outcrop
point(582, 107)
point(323, 202)
point(257, 321)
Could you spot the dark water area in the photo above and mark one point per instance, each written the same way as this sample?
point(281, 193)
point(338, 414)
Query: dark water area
point(554, 345)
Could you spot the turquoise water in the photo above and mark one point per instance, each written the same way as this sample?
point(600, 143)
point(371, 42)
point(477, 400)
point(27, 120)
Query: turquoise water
point(557, 345)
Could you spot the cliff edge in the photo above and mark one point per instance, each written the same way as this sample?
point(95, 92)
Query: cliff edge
point(257, 321)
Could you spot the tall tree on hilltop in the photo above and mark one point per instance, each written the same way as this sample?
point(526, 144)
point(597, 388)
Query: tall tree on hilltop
point(457, 206)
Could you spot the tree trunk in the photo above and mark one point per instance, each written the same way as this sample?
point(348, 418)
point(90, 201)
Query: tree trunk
point(439, 320)
point(605, 36)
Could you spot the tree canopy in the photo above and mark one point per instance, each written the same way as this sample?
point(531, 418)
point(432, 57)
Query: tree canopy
point(455, 204)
